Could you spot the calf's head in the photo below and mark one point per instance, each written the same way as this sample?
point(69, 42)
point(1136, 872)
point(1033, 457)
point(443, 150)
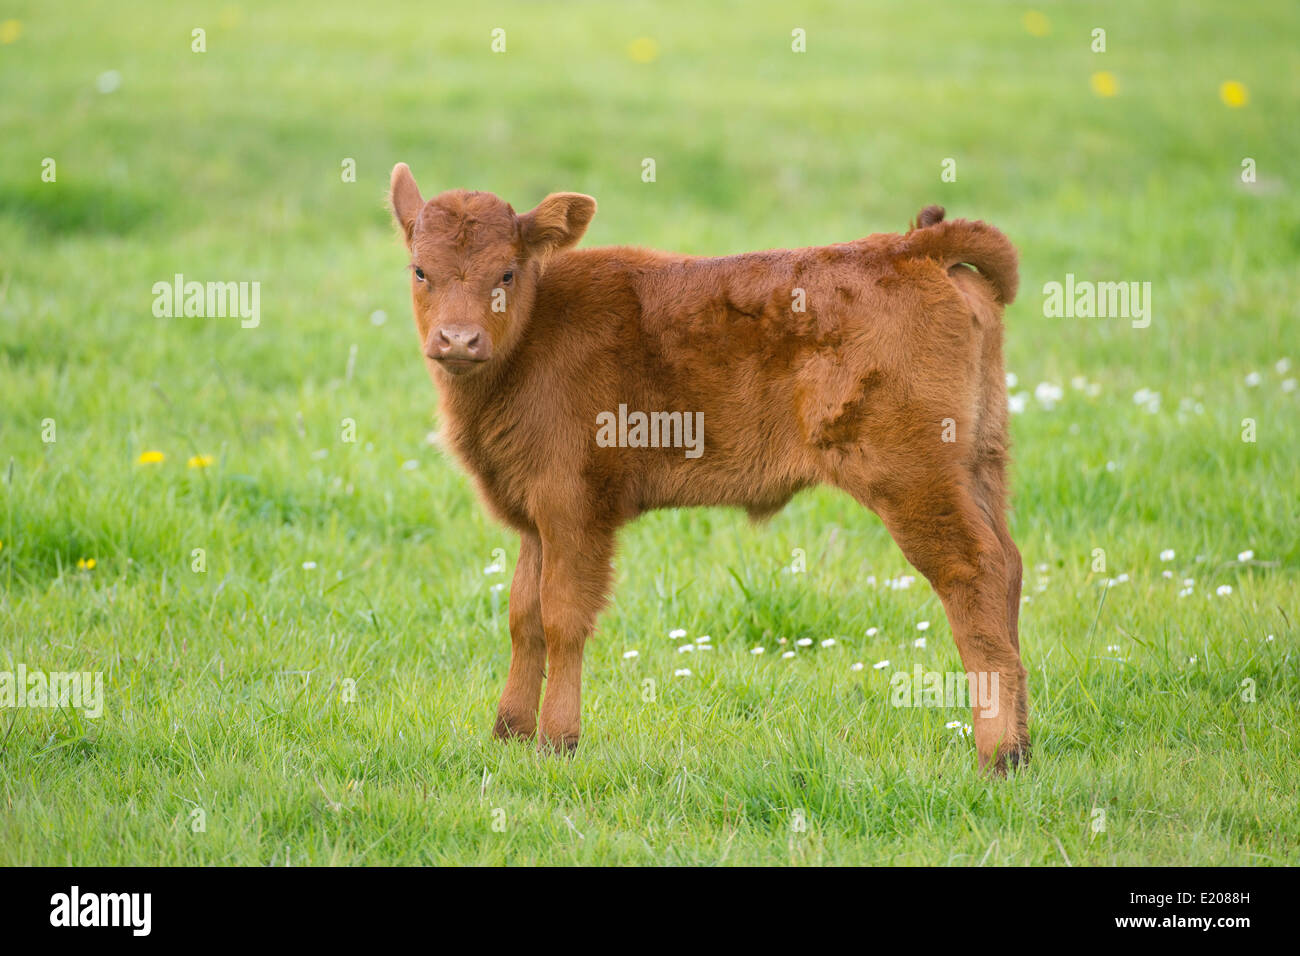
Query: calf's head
point(475, 266)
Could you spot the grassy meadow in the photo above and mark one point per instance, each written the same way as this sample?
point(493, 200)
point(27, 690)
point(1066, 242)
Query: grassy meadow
point(302, 638)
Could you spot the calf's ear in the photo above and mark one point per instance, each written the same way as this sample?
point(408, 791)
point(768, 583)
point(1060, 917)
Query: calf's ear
point(404, 197)
point(558, 222)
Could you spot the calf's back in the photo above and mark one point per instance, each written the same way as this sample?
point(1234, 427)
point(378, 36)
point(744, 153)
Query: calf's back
point(797, 363)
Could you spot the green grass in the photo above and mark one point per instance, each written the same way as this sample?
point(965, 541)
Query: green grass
point(224, 690)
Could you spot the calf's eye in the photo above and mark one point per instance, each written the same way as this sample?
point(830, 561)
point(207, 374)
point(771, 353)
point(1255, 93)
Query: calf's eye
point(419, 273)
point(505, 279)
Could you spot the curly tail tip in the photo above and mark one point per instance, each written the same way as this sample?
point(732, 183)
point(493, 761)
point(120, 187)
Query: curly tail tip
point(977, 244)
point(928, 216)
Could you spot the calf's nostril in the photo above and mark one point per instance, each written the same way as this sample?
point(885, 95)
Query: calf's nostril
point(455, 342)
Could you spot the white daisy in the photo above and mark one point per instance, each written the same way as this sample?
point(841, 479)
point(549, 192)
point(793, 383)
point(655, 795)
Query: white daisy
point(1048, 394)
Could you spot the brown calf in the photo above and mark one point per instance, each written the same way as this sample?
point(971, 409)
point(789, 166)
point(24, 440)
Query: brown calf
point(873, 365)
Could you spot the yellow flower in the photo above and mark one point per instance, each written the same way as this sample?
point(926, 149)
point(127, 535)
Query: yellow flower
point(1037, 24)
point(86, 564)
point(1234, 94)
point(200, 461)
point(643, 50)
point(1104, 83)
point(10, 30)
point(150, 457)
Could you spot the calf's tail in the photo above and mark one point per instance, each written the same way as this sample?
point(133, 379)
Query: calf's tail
point(963, 241)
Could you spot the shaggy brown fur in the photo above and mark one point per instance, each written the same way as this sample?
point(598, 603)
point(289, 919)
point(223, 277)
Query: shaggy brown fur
point(873, 365)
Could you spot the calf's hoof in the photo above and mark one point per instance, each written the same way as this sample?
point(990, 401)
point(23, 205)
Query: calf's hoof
point(1008, 756)
point(511, 727)
point(563, 744)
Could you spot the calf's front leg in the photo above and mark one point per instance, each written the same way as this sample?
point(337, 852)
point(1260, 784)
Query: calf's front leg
point(575, 583)
point(517, 712)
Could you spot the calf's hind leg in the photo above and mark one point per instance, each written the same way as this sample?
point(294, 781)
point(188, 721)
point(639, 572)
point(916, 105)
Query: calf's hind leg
point(990, 480)
point(943, 532)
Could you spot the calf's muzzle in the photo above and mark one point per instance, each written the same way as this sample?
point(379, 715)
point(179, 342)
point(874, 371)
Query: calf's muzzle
point(458, 347)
